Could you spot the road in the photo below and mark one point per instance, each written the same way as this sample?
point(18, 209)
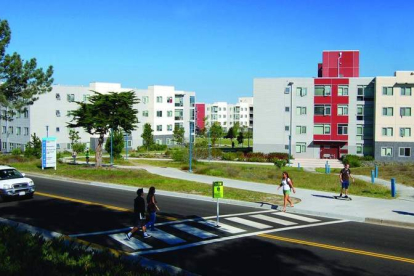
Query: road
point(249, 241)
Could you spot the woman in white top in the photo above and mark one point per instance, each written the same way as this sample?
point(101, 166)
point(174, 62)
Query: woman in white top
point(287, 185)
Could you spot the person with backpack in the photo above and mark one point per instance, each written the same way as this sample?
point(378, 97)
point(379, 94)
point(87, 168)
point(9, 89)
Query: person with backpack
point(286, 185)
point(139, 215)
point(152, 208)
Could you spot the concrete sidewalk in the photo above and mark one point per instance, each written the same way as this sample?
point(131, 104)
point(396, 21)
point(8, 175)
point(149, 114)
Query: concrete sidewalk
point(399, 212)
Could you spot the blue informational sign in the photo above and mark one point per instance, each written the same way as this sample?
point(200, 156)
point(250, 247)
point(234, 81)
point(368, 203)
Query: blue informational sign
point(49, 152)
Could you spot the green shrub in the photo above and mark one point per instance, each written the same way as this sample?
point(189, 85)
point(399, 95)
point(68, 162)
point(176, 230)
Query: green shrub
point(280, 163)
point(229, 156)
point(16, 151)
point(276, 155)
point(368, 158)
point(157, 147)
point(352, 160)
point(179, 155)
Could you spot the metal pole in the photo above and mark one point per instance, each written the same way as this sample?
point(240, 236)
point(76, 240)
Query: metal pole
point(372, 176)
point(112, 136)
point(218, 212)
point(7, 128)
point(393, 190)
point(126, 146)
point(290, 125)
point(376, 171)
point(209, 144)
point(191, 151)
point(47, 131)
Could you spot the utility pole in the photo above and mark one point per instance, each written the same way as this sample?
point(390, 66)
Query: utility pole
point(290, 125)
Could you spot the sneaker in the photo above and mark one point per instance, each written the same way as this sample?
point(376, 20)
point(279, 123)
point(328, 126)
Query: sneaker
point(345, 196)
point(127, 237)
point(146, 236)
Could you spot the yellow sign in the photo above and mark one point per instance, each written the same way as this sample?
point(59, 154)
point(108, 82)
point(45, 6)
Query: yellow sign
point(218, 189)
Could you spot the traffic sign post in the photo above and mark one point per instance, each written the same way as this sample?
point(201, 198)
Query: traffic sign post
point(218, 192)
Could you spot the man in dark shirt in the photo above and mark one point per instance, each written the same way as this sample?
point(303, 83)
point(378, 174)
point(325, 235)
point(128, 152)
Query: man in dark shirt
point(139, 215)
point(344, 176)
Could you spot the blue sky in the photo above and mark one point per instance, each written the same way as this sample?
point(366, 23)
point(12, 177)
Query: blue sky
point(214, 48)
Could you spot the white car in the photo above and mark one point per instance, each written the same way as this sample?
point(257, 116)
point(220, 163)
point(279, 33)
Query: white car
point(15, 184)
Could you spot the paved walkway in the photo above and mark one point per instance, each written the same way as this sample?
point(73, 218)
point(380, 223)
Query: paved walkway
point(395, 211)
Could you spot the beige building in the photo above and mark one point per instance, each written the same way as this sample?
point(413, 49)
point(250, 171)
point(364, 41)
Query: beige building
point(394, 124)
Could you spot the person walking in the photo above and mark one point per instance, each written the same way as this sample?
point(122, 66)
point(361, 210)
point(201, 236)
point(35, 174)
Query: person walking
point(344, 176)
point(287, 185)
point(152, 209)
point(87, 156)
point(139, 215)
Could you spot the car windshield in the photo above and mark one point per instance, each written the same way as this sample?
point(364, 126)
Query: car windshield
point(10, 174)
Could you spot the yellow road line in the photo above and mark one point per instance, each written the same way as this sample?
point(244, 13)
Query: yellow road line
point(97, 204)
point(337, 248)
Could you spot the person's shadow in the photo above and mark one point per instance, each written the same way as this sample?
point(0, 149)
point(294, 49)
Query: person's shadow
point(324, 196)
point(403, 213)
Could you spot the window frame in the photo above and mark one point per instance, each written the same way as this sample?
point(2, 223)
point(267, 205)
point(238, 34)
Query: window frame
point(343, 87)
point(386, 109)
point(387, 129)
point(385, 91)
point(405, 148)
point(387, 148)
point(343, 127)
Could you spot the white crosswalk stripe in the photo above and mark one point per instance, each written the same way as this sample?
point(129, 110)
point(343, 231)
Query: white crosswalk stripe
point(165, 237)
point(133, 243)
point(223, 227)
point(296, 217)
point(274, 220)
point(194, 231)
point(249, 223)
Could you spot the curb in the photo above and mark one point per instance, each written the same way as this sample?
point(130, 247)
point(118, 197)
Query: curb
point(261, 205)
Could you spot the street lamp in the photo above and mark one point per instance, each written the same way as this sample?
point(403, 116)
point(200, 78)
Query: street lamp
point(112, 138)
point(47, 131)
point(191, 147)
point(290, 125)
point(339, 57)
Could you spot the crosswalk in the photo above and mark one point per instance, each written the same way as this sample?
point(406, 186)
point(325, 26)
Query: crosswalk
point(188, 232)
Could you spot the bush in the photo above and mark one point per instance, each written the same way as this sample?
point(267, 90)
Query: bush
point(229, 156)
point(276, 155)
point(352, 160)
point(179, 155)
point(156, 147)
point(279, 162)
point(368, 158)
point(16, 151)
point(34, 147)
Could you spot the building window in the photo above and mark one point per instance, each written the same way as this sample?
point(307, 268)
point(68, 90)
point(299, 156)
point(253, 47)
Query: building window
point(405, 132)
point(387, 91)
point(169, 99)
point(159, 113)
point(179, 100)
point(323, 110)
point(57, 146)
point(286, 147)
point(159, 99)
point(145, 99)
point(387, 111)
point(300, 147)
point(179, 115)
point(26, 114)
point(321, 129)
point(342, 90)
point(86, 97)
point(287, 90)
point(3, 130)
point(301, 110)
point(359, 149)
point(300, 129)
point(219, 109)
point(4, 145)
point(169, 113)
point(405, 111)
point(168, 141)
point(224, 109)
point(145, 113)
point(386, 151)
point(18, 130)
point(287, 108)
point(342, 110)
point(57, 113)
point(69, 146)
point(70, 97)
point(301, 91)
point(158, 141)
point(405, 91)
point(10, 130)
point(387, 131)
point(286, 128)
point(26, 131)
point(360, 132)
point(192, 101)
point(57, 129)
point(404, 152)
point(58, 96)
point(360, 112)
point(159, 127)
point(169, 127)
point(342, 129)
point(322, 90)
point(219, 116)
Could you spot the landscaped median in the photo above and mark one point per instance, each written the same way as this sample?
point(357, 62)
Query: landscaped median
point(141, 178)
point(272, 175)
point(22, 253)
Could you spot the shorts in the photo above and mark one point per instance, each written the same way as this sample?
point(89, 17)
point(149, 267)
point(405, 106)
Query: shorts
point(345, 184)
point(138, 222)
point(286, 192)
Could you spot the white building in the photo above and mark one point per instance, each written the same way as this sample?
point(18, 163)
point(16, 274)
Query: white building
point(229, 114)
point(161, 106)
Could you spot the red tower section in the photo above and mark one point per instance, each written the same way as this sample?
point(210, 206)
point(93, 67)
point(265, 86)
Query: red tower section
point(340, 64)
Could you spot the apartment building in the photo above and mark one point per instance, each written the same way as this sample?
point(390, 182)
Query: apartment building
point(335, 114)
point(229, 114)
point(161, 106)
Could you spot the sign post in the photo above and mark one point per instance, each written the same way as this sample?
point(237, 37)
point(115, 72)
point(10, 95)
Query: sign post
point(218, 192)
point(48, 152)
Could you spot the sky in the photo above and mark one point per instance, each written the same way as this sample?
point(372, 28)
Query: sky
point(215, 48)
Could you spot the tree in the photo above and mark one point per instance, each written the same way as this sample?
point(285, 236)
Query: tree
point(104, 112)
point(34, 147)
point(147, 137)
point(240, 138)
point(74, 141)
point(230, 134)
point(117, 144)
point(178, 135)
point(216, 132)
point(21, 82)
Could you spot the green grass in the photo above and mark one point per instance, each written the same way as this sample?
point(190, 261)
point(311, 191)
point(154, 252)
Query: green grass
point(403, 174)
point(22, 253)
point(272, 175)
point(141, 178)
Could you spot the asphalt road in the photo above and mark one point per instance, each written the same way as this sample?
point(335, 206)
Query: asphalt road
point(250, 241)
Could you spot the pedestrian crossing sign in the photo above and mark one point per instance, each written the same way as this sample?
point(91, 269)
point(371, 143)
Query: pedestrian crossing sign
point(218, 189)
